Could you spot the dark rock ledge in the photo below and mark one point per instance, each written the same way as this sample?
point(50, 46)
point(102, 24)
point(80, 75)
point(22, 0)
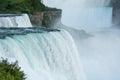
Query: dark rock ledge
point(9, 32)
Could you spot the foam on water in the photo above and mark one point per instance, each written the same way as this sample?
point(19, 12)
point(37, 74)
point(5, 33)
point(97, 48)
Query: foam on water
point(44, 56)
point(12, 20)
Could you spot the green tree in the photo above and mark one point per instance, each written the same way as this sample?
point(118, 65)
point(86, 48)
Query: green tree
point(37, 5)
point(10, 71)
point(23, 6)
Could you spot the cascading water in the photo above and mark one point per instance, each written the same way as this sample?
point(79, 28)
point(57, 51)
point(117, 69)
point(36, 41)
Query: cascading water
point(47, 54)
point(13, 20)
point(44, 54)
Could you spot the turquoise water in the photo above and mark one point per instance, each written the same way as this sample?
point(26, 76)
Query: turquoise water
point(47, 55)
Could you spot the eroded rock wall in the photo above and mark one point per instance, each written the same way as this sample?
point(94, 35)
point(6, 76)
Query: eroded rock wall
point(46, 18)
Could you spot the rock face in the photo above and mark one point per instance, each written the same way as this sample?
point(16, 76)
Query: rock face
point(116, 12)
point(116, 17)
point(46, 18)
point(36, 19)
point(51, 17)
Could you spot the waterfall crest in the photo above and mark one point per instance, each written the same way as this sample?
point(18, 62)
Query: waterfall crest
point(12, 20)
point(44, 56)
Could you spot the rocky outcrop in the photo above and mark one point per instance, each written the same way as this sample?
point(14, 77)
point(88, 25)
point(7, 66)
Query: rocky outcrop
point(46, 18)
point(36, 19)
point(51, 17)
point(116, 17)
point(116, 12)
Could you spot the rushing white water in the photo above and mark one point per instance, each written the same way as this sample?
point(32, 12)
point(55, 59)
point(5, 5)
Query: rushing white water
point(53, 55)
point(11, 20)
point(44, 56)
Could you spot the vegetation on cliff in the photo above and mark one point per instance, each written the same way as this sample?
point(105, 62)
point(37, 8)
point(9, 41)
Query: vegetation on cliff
point(10, 71)
point(21, 6)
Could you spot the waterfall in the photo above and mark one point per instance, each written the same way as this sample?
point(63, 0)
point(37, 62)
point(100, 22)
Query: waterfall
point(14, 20)
point(44, 54)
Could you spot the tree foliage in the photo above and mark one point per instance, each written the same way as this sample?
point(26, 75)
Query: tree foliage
point(21, 6)
point(10, 71)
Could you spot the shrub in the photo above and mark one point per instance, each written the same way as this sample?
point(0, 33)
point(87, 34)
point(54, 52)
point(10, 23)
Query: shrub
point(10, 71)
